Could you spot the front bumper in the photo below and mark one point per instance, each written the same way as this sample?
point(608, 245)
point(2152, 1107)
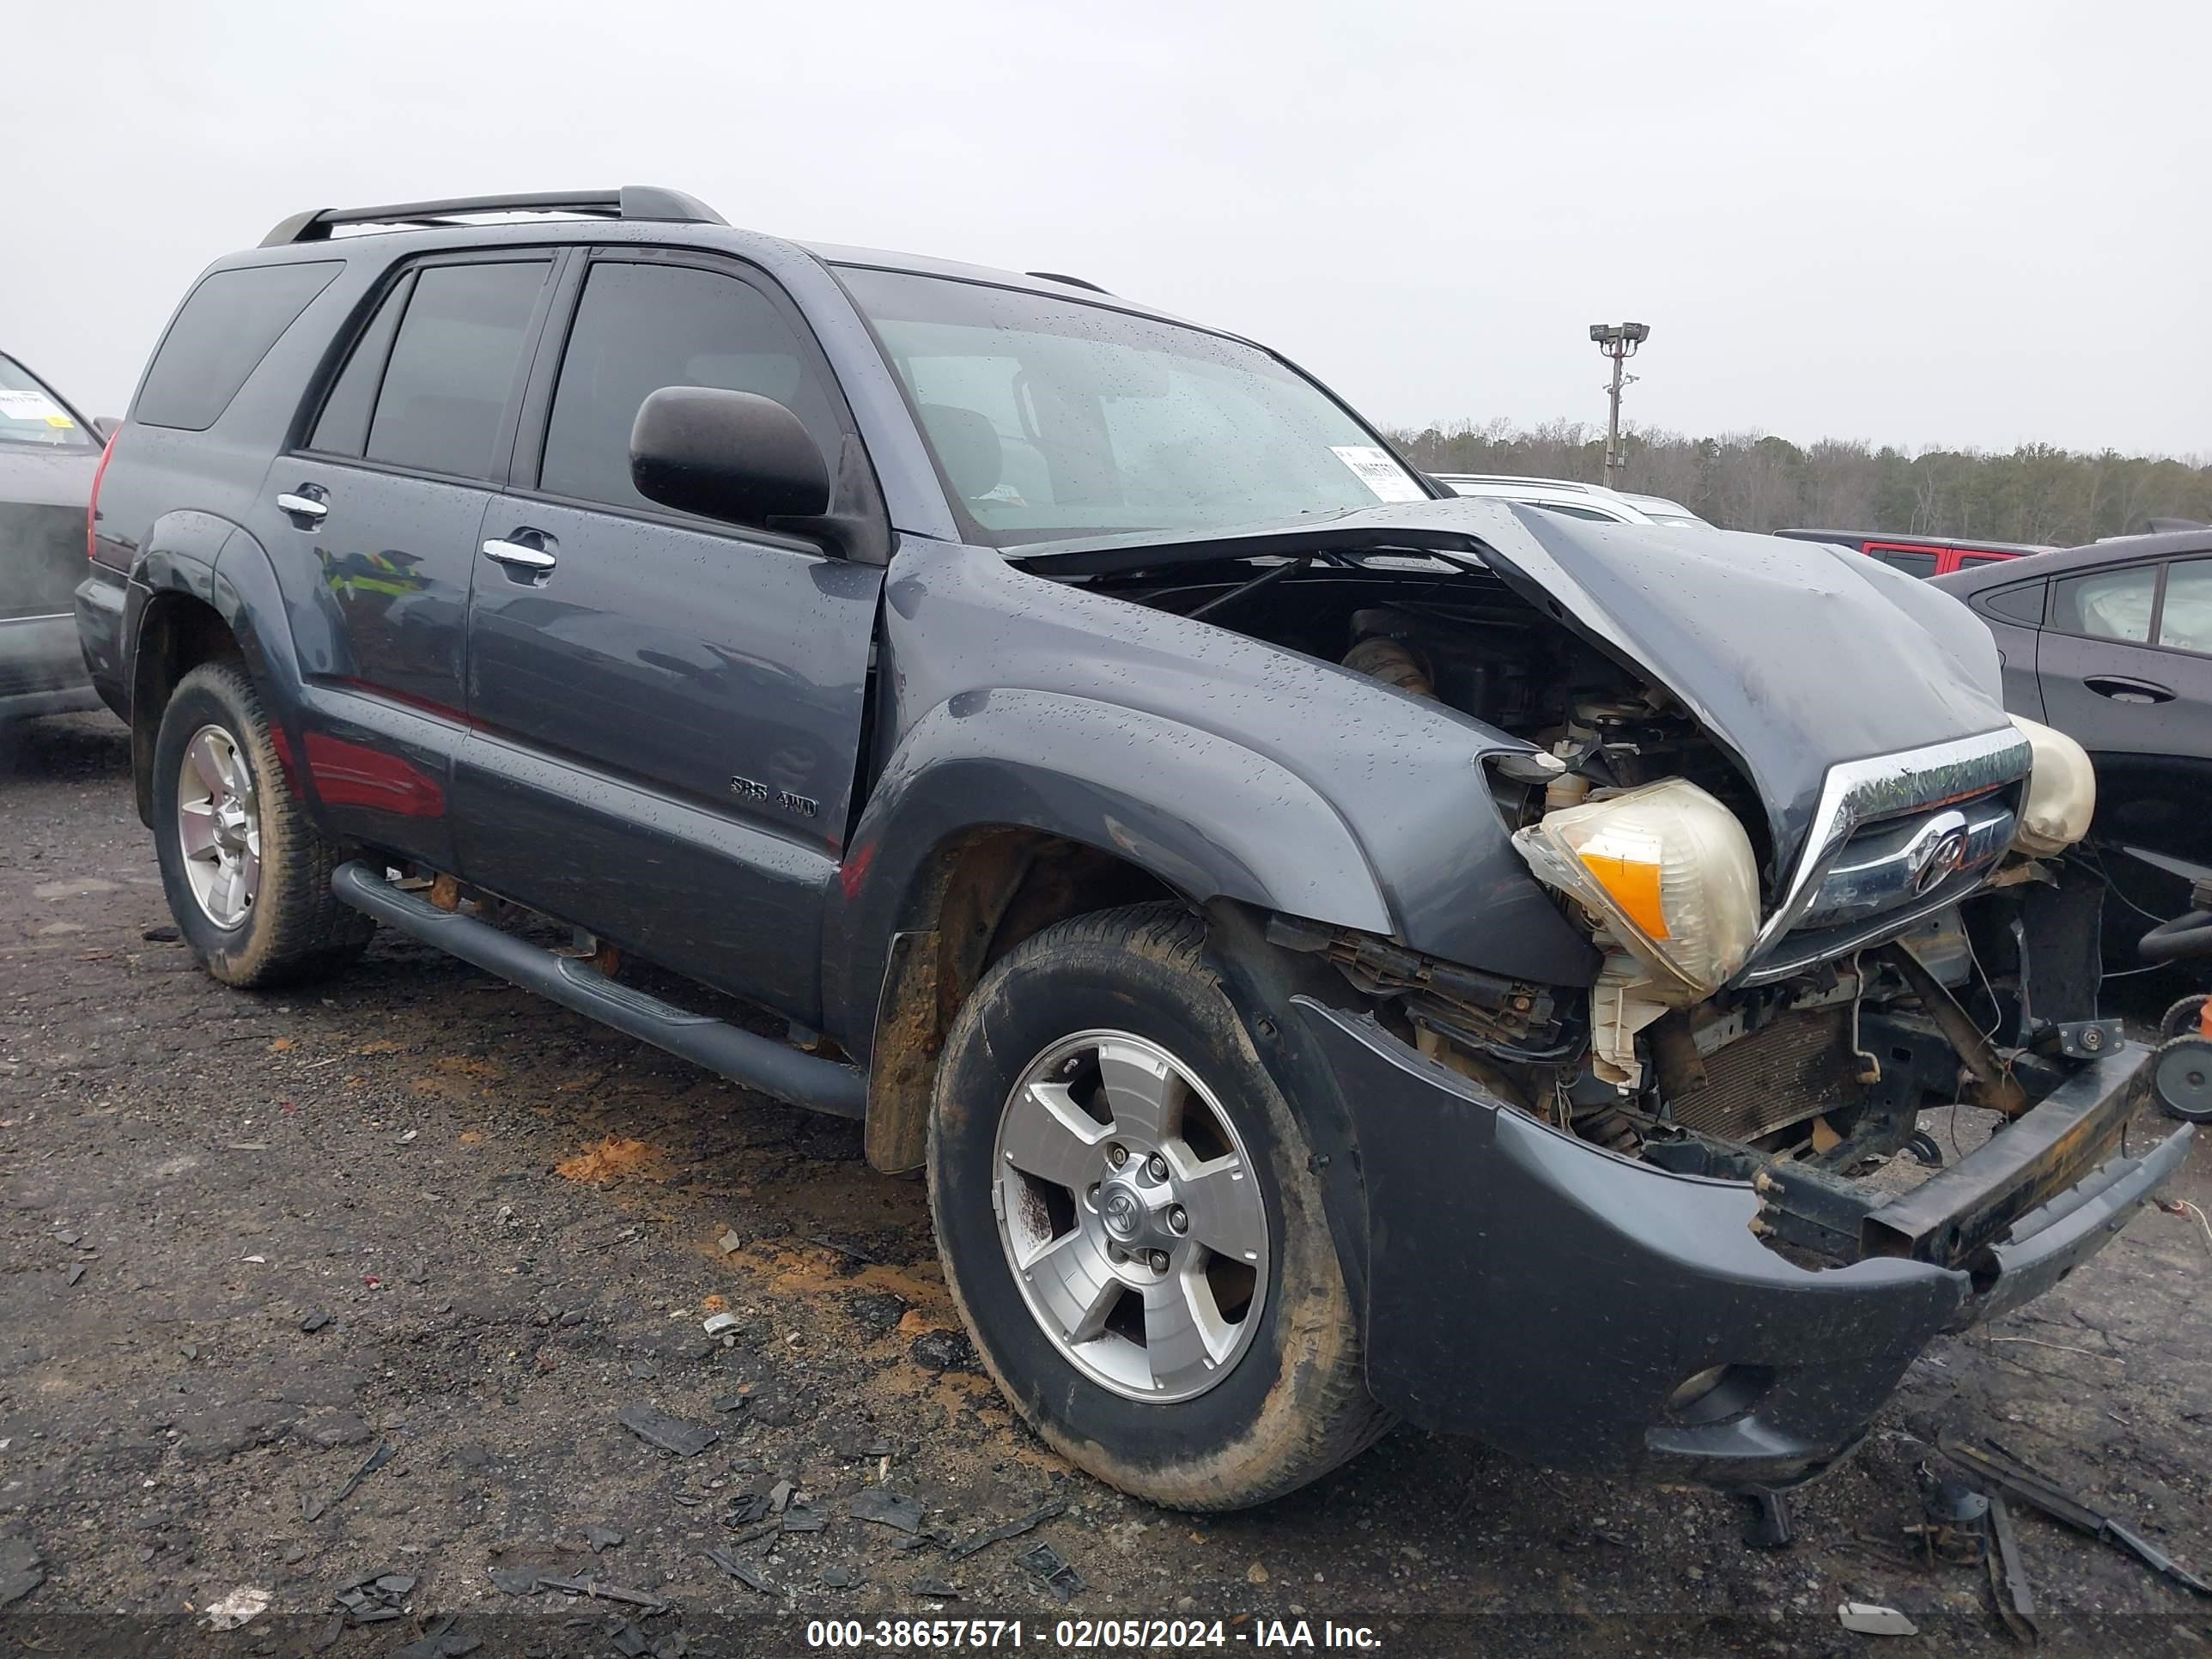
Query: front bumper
point(1548, 1297)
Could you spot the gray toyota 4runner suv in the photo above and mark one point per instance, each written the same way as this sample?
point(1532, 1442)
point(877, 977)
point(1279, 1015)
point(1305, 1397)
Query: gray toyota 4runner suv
point(1338, 953)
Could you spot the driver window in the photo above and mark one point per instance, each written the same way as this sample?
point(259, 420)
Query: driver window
point(641, 327)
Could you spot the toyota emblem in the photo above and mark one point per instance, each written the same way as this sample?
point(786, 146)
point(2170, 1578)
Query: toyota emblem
point(1939, 860)
point(1120, 1213)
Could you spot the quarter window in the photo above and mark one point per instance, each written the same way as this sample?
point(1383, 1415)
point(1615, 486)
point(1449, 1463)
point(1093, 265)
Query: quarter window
point(641, 327)
point(225, 329)
point(2107, 604)
point(2023, 603)
point(2184, 620)
point(454, 366)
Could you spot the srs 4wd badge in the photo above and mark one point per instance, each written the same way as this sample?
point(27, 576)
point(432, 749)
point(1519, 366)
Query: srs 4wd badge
point(804, 806)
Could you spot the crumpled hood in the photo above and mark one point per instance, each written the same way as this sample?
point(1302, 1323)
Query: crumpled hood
point(1796, 655)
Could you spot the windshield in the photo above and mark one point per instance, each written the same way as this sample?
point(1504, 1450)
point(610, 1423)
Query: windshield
point(1050, 418)
point(29, 414)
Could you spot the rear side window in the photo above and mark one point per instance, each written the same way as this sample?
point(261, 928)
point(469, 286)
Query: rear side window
point(2107, 604)
point(455, 363)
point(224, 331)
point(641, 327)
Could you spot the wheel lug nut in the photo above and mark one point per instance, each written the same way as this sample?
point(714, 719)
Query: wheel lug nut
point(1157, 1167)
point(1117, 1155)
point(1159, 1262)
point(1179, 1218)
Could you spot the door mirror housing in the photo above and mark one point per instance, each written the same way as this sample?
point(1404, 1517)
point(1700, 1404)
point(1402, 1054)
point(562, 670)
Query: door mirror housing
point(728, 455)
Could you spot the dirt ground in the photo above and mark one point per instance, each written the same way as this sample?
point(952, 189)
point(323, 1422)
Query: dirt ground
point(419, 1223)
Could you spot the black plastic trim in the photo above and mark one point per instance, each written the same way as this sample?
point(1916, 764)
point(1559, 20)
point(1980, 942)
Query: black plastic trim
point(745, 1057)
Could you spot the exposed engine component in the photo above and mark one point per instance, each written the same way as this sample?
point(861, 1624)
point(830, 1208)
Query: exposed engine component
point(1382, 658)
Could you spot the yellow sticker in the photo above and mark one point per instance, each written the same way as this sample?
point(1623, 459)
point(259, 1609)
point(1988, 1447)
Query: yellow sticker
point(60, 421)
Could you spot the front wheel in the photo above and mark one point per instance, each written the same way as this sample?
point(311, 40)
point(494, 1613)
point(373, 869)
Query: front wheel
point(248, 875)
point(1129, 1224)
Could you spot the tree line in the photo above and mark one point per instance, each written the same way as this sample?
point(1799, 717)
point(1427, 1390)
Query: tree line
point(1753, 481)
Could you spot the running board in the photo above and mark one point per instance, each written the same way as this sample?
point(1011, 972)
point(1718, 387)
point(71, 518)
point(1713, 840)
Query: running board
point(758, 1062)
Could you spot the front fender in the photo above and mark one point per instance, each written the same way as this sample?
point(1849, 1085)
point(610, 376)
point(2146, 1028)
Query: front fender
point(1209, 818)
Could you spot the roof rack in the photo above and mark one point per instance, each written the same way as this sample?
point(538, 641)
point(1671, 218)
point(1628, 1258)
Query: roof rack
point(648, 203)
point(1574, 485)
point(1073, 282)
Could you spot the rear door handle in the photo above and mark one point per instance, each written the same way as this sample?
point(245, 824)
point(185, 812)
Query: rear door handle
point(527, 551)
point(305, 506)
point(2120, 690)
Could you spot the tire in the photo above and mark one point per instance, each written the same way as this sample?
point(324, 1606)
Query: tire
point(2181, 1077)
point(1290, 1401)
point(2184, 1018)
point(291, 929)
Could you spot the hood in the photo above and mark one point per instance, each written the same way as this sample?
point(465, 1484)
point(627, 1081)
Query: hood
point(1797, 656)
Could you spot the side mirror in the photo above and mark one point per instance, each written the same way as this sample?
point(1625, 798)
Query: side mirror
point(107, 426)
point(727, 455)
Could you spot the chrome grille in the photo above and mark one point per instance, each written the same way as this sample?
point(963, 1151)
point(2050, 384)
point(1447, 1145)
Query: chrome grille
point(1893, 839)
point(1885, 866)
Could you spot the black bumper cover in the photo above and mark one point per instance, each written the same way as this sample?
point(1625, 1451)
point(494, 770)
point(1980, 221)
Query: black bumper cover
point(1548, 1297)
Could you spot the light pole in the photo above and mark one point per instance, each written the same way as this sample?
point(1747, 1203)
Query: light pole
point(1618, 341)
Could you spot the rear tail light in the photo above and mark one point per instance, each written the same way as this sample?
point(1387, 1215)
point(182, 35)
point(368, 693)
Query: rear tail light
point(92, 507)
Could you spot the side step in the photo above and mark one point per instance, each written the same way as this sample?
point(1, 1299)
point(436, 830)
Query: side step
point(758, 1062)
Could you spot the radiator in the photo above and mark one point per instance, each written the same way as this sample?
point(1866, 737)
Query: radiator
point(1786, 1071)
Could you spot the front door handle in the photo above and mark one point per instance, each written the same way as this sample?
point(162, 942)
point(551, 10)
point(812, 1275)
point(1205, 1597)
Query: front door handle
point(529, 553)
point(305, 506)
point(2120, 690)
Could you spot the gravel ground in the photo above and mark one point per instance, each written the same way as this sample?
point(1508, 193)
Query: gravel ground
point(420, 1225)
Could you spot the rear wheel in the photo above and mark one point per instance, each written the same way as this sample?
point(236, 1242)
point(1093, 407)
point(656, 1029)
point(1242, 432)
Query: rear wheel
point(1129, 1224)
point(248, 877)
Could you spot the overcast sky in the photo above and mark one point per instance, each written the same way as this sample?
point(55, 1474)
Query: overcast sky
point(1975, 223)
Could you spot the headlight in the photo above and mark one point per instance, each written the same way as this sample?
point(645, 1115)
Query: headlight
point(2062, 793)
point(1670, 870)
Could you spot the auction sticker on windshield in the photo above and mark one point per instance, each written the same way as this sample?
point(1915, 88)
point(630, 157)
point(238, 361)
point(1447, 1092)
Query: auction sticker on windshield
point(37, 406)
point(1374, 468)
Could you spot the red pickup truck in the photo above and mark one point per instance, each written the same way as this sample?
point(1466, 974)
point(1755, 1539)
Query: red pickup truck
point(1920, 556)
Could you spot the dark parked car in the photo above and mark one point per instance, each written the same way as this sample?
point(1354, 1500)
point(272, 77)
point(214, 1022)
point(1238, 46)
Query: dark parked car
point(1920, 556)
point(1337, 952)
point(49, 454)
point(2112, 644)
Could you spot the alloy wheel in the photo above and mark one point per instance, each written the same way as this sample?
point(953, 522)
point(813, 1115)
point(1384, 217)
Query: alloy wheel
point(219, 826)
point(1130, 1216)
